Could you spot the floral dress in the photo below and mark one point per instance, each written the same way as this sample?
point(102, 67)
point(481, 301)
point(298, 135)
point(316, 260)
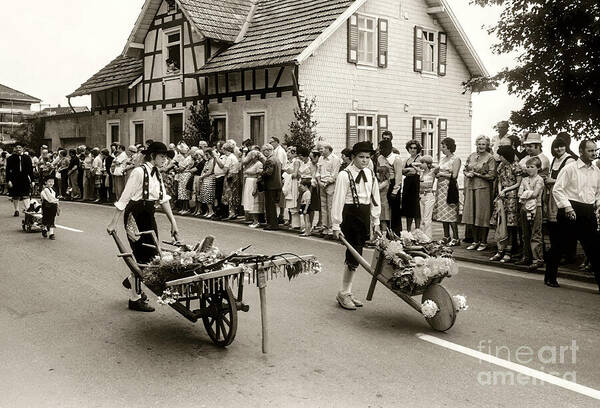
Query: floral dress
point(509, 174)
point(442, 211)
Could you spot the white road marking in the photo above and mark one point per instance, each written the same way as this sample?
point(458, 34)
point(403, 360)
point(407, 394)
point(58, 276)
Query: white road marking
point(540, 375)
point(68, 228)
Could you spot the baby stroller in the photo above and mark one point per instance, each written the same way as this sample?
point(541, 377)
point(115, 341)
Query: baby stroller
point(33, 218)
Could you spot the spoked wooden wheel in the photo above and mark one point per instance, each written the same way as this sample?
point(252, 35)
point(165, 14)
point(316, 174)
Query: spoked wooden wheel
point(445, 318)
point(220, 316)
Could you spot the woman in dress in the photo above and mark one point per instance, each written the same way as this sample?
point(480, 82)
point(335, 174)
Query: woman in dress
point(509, 180)
point(480, 172)
point(252, 199)
point(231, 166)
point(447, 172)
point(186, 164)
point(411, 208)
point(291, 176)
point(207, 186)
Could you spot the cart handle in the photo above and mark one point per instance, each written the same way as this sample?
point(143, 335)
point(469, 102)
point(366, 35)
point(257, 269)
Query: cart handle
point(362, 261)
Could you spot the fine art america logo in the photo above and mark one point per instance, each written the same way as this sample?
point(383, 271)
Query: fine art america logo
point(541, 359)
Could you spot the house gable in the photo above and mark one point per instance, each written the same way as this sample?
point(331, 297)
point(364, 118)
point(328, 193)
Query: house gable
point(354, 97)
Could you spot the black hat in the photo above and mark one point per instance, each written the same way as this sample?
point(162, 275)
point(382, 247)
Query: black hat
point(363, 147)
point(159, 148)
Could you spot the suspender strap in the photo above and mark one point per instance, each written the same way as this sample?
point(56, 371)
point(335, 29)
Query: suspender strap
point(353, 188)
point(146, 185)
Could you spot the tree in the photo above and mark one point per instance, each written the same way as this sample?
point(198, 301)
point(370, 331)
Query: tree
point(303, 129)
point(557, 74)
point(199, 125)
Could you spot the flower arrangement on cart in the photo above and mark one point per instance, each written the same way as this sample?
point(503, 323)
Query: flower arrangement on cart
point(412, 264)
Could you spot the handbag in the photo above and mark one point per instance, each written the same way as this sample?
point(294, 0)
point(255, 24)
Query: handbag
point(452, 197)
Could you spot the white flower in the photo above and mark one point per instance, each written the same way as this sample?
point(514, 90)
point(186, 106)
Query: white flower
point(460, 303)
point(429, 309)
point(168, 257)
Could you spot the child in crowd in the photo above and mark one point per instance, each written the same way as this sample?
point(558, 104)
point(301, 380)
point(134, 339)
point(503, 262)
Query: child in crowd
point(427, 201)
point(530, 198)
point(383, 176)
point(304, 208)
point(49, 208)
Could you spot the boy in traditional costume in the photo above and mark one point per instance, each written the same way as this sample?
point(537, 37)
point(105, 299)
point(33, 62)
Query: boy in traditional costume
point(143, 192)
point(356, 203)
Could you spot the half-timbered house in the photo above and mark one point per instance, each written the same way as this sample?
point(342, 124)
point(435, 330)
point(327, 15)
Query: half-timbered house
point(371, 64)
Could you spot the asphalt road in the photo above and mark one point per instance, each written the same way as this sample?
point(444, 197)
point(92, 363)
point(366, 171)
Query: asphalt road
point(68, 340)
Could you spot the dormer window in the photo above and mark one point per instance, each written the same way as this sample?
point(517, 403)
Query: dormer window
point(172, 51)
point(172, 6)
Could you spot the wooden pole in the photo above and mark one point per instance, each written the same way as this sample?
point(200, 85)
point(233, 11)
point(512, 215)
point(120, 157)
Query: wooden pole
point(262, 291)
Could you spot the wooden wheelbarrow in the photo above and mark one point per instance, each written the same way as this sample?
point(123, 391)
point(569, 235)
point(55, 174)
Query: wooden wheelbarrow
point(382, 271)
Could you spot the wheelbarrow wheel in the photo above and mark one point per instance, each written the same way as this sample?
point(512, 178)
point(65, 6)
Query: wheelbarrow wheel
point(220, 316)
point(445, 318)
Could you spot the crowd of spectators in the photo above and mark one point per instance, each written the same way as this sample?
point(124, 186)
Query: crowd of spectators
point(508, 184)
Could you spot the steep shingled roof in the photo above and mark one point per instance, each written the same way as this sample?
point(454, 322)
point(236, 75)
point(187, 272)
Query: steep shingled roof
point(279, 32)
point(120, 71)
point(10, 94)
point(217, 19)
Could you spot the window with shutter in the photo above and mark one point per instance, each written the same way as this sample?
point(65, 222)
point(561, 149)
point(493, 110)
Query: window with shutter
point(442, 53)
point(353, 39)
point(418, 49)
point(351, 129)
point(382, 44)
point(425, 131)
point(382, 125)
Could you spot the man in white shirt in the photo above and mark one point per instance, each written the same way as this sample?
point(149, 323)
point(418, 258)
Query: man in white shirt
point(328, 168)
point(577, 195)
point(533, 146)
point(356, 202)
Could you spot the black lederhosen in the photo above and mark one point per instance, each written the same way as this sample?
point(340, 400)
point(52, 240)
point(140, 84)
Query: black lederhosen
point(356, 227)
point(142, 212)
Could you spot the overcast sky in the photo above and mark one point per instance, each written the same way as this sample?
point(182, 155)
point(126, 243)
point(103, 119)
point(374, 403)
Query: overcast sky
point(50, 47)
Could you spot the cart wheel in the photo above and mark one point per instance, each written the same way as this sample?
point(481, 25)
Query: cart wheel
point(220, 319)
point(446, 317)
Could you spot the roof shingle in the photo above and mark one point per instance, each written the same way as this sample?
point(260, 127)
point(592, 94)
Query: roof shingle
point(14, 95)
point(120, 71)
point(279, 32)
point(218, 19)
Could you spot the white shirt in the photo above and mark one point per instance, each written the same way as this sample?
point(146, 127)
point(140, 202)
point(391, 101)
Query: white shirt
point(220, 172)
point(545, 162)
point(49, 195)
point(134, 188)
point(231, 164)
point(343, 195)
point(328, 168)
point(97, 165)
point(281, 155)
point(577, 182)
point(120, 164)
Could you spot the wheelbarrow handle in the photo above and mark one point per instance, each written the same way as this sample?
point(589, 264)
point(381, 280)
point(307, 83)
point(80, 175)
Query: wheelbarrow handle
point(362, 261)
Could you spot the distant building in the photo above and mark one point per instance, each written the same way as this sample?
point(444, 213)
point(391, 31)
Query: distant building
point(64, 110)
point(15, 112)
point(373, 65)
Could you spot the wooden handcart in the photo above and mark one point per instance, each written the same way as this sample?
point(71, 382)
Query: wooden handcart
point(216, 296)
point(382, 272)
